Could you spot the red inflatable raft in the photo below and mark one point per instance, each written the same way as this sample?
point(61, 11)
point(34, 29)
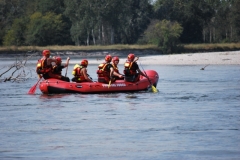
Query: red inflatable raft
point(58, 86)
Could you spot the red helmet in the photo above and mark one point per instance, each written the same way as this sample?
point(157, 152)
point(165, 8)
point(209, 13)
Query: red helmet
point(115, 59)
point(131, 57)
point(46, 53)
point(108, 58)
point(58, 60)
point(84, 62)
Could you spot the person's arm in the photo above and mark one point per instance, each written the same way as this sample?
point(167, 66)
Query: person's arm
point(117, 74)
point(84, 71)
point(67, 62)
point(111, 72)
point(136, 58)
point(141, 73)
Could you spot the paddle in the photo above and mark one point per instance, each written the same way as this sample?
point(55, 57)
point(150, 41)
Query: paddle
point(109, 83)
point(66, 72)
point(89, 77)
point(67, 66)
point(33, 88)
point(111, 79)
point(111, 76)
point(154, 89)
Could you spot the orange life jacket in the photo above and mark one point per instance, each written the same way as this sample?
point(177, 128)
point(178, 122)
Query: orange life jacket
point(103, 73)
point(77, 73)
point(42, 67)
point(102, 70)
point(128, 69)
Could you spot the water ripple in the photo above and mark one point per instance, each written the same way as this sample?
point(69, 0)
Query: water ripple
point(195, 115)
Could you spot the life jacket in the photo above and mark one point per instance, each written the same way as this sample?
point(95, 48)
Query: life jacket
point(103, 73)
point(42, 67)
point(77, 73)
point(102, 70)
point(129, 70)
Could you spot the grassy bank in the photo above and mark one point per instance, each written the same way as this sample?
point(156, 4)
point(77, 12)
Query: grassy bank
point(184, 48)
point(211, 47)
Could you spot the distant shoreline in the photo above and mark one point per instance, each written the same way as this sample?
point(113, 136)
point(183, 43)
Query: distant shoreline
point(92, 53)
point(153, 57)
point(209, 58)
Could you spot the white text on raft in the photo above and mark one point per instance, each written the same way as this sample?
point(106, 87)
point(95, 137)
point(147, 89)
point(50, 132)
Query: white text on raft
point(115, 85)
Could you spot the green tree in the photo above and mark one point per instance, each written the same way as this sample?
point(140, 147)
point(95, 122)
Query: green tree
point(134, 19)
point(235, 20)
point(79, 13)
point(165, 34)
point(109, 21)
point(12, 29)
point(55, 6)
point(191, 14)
point(9, 11)
point(222, 27)
point(45, 29)
point(15, 36)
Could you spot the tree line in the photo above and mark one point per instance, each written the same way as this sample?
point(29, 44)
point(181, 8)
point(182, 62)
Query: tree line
point(105, 22)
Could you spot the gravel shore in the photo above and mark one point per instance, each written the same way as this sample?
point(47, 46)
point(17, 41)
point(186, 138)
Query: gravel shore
point(214, 58)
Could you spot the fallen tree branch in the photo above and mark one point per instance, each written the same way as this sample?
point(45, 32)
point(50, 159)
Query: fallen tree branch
point(18, 70)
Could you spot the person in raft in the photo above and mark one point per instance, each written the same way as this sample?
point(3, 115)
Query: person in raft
point(57, 68)
point(80, 72)
point(117, 75)
point(44, 66)
point(131, 69)
point(105, 70)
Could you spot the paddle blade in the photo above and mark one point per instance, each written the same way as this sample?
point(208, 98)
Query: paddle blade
point(154, 89)
point(32, 90)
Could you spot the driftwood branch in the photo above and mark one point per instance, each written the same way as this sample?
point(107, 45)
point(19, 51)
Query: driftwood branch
point(18, 70)
point(204, 67)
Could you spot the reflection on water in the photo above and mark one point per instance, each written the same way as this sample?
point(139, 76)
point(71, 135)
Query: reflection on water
point(53, 96)
point(195, 115)
point(131, 96)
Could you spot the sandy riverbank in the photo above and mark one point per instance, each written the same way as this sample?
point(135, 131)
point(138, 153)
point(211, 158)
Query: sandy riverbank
point(214, 58)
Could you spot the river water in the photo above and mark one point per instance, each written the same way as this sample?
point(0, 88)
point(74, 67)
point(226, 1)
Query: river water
point(195, 115)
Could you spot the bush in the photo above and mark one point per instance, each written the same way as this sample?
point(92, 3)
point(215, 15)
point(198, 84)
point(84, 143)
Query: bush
point(164, 33)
